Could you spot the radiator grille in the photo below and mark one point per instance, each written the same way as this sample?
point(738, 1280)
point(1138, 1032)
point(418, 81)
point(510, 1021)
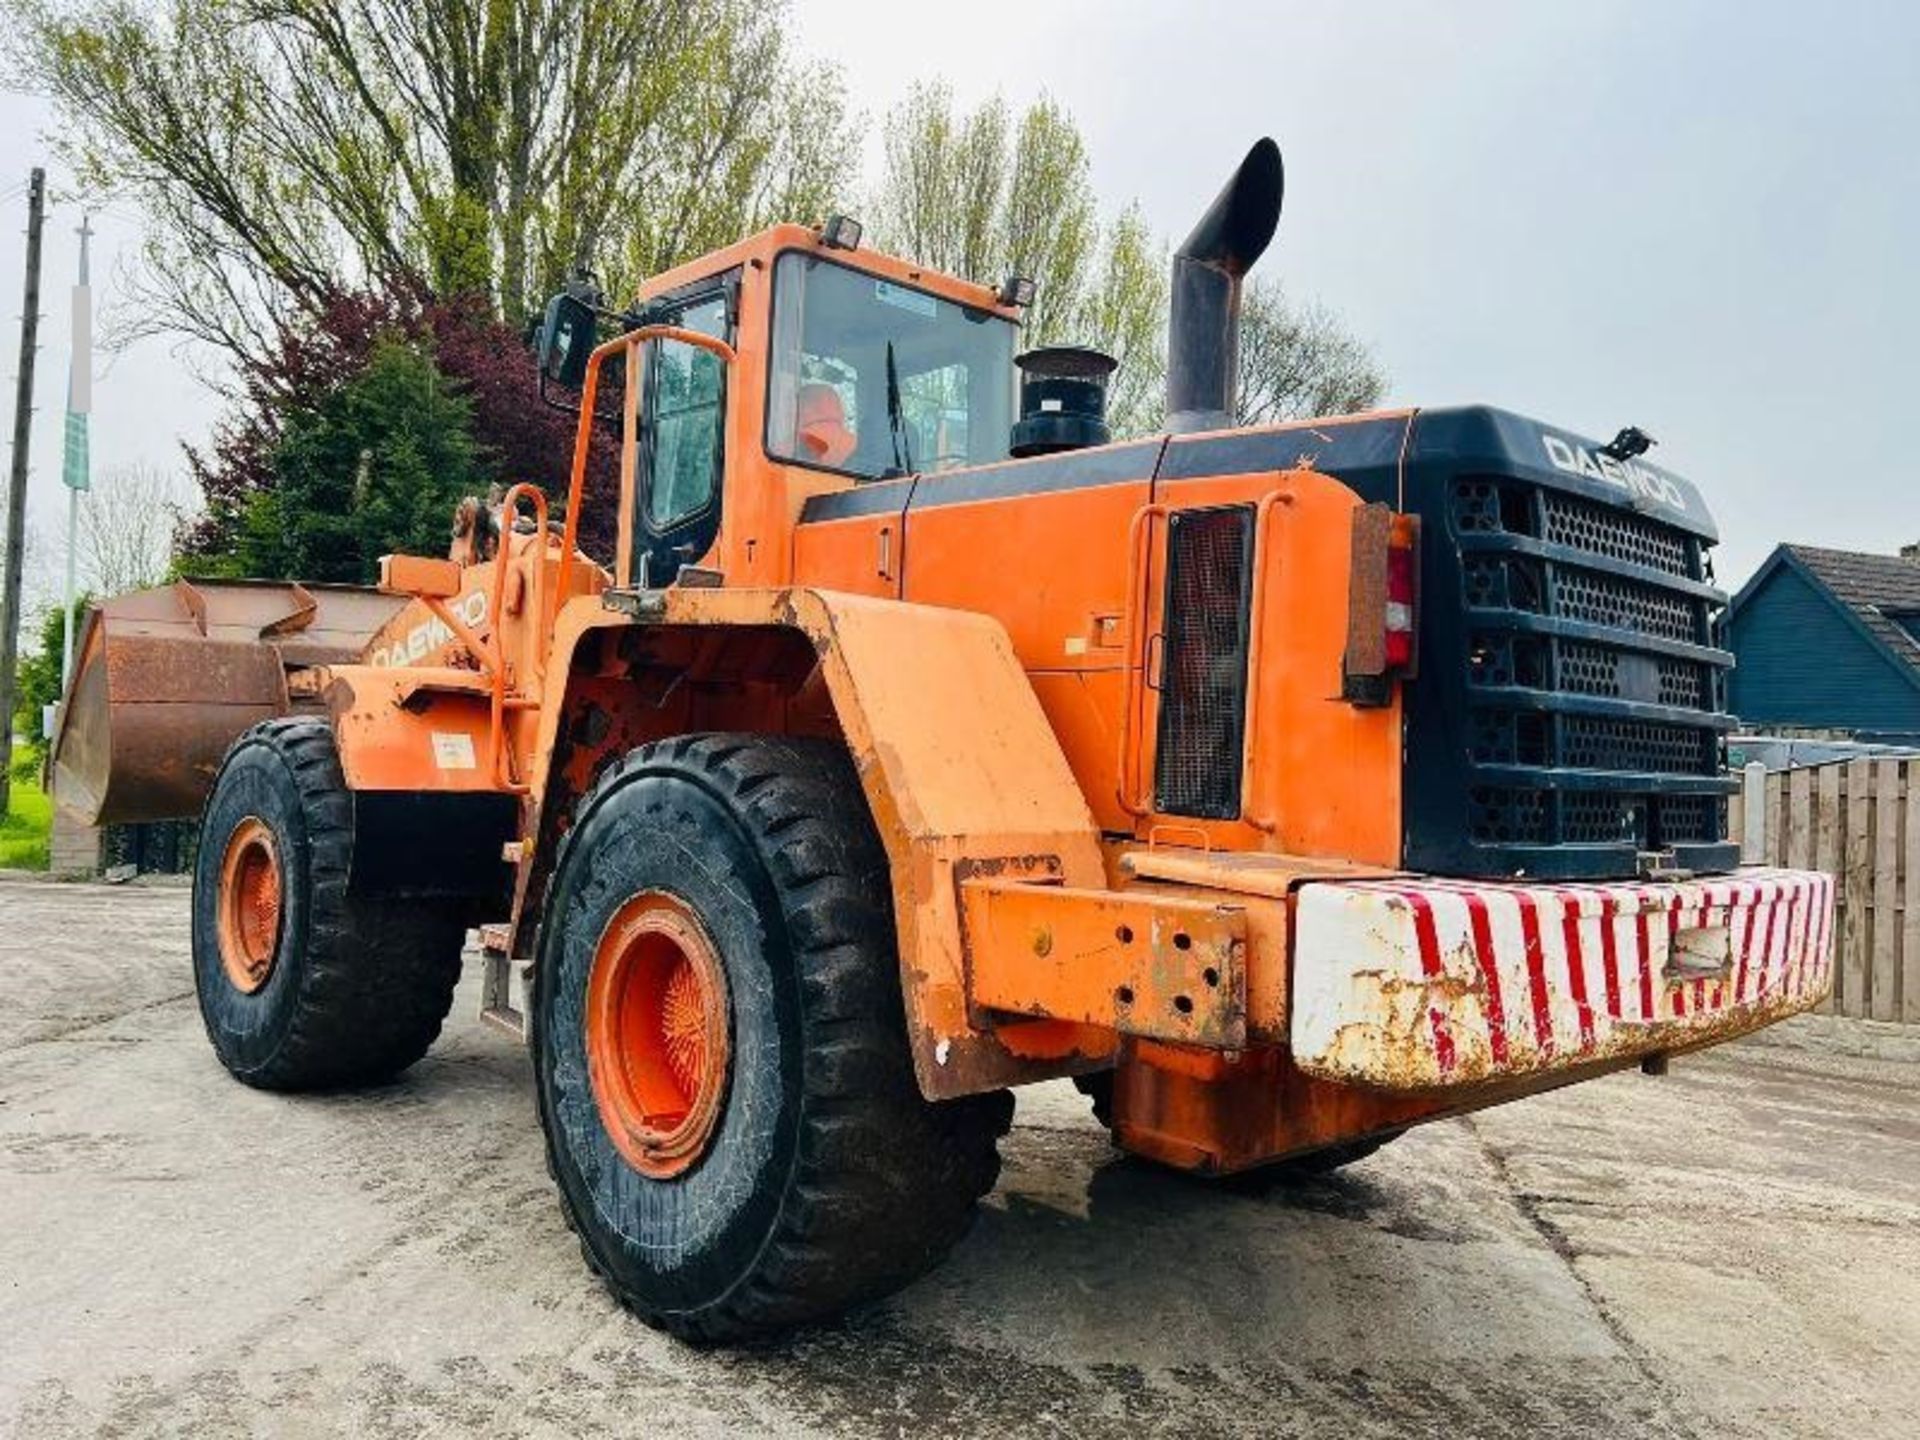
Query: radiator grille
point(1692, 819)
point(1626, 605)
point(1603, 818)
point(1616, 534)
point(1203, 674)
point(1505, 815)
point(1597, 670)
point(1593, 685)
point(1599, 742)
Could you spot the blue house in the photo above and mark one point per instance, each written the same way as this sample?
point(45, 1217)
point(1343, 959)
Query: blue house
point(1829, 640)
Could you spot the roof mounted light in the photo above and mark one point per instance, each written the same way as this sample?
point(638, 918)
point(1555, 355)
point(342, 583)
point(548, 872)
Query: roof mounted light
point(1632, 441)
point(841, 232)
point(1016, 291)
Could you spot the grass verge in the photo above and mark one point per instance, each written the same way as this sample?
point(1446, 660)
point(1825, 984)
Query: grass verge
point(28, 823)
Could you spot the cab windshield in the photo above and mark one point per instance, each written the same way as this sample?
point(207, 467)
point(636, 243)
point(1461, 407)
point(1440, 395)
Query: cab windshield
point(873, 379)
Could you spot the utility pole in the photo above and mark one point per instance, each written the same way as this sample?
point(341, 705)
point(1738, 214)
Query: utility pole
point(17, 483)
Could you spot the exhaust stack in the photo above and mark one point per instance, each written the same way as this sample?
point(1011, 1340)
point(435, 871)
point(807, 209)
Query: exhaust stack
point(1203, 334)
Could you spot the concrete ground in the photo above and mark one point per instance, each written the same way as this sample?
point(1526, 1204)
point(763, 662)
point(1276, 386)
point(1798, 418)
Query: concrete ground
point(1733, 1250)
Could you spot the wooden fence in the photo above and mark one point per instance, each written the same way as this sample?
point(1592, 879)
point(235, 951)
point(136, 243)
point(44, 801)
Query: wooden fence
point(1858, 820)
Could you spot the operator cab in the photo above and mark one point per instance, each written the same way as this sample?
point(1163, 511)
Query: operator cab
point(921, 383)
point(816, 371)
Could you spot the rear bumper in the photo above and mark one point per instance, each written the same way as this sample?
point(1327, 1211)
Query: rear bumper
point(1422, 984)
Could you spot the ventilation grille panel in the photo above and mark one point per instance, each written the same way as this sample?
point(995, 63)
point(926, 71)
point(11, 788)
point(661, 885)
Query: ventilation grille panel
point(1203, 671)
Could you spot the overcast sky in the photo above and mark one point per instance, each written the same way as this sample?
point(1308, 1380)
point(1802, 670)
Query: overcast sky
point(1702, 219)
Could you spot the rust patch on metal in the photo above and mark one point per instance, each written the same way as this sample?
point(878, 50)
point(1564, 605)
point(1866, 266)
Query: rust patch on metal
point(1140, 963)
point(166, 679)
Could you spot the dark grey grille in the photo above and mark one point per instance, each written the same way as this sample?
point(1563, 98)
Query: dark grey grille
point(1507, 737)
point(1600, 670)
point(1601, 742)
point(1203, 685)
point(1506, 583)
point(1685, 684)
point(1690, 819)
point(1495, 659)
point(1488, 506)
point(1547, 709)
point(1603, 819)
point(1503, 815)
point(1616, 534)
point(1626, 605)
point(1511, 815)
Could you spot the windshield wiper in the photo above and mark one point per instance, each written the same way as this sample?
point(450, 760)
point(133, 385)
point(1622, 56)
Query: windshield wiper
point(896, 422)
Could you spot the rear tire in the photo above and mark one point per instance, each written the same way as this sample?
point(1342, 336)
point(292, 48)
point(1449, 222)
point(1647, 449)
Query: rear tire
point(821, 1177)
point(302, 985)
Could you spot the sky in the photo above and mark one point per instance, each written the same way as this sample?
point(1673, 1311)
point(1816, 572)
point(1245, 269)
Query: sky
point(1701, 219)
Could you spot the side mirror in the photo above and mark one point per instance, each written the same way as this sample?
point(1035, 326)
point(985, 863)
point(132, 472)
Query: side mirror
point(566, 340)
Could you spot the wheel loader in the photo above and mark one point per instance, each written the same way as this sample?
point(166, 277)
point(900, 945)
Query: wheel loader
point(1284, 786)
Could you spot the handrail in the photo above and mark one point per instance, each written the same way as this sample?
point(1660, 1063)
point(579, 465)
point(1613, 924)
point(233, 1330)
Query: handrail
point(1256, 643)
point(1135, 657)
point(497, 752)
point(583, 435)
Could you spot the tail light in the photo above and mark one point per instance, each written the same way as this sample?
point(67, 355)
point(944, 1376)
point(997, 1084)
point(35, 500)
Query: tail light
point(1382, 605)
point(1398, 620)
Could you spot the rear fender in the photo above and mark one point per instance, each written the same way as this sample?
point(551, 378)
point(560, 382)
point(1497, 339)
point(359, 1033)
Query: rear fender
point(961, 771)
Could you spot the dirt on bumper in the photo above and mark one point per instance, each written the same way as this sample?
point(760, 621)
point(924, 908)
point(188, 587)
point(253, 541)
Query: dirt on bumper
point(1421, 984)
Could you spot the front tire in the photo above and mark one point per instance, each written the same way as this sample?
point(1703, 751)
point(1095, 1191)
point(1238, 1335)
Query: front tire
point(302, 985)
point(720, 1047)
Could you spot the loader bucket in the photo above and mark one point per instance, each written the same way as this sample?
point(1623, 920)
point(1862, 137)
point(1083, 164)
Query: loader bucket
point(168, 678)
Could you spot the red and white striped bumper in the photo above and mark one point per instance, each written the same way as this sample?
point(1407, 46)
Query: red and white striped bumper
point(1412, 984)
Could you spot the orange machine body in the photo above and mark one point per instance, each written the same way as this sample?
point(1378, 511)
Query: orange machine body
point(987, 639)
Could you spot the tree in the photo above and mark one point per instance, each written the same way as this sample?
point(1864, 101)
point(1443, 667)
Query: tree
point(40, 681)
point(285, 151)
point(1298, 361)
point(978, 197)
point(516, 438)
point(959, 194)
point(1124, 313)
point(375, 468)
point(128, 523)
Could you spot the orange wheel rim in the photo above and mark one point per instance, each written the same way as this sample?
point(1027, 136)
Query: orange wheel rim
point(657, 1034)
point(249, 920)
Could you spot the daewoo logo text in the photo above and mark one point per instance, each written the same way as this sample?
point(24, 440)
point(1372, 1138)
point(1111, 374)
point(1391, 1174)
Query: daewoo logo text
point(1634, 478)
point(430, 634)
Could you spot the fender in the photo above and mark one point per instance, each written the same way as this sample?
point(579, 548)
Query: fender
point(962, 773)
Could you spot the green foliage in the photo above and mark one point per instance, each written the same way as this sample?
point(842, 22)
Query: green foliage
point(375, 468)
point(286, 151)
point(39, 683)
point(982, 197)
point(979, 197)
point(1123, 312)
point(27, 827)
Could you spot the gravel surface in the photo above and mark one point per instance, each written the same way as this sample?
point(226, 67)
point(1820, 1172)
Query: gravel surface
point(1733, 1250)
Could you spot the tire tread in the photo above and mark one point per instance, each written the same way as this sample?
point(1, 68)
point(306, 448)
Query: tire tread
point(379, 975)
point(883, 1182)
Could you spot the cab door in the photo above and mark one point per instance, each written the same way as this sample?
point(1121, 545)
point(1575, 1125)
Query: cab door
point(679, 454)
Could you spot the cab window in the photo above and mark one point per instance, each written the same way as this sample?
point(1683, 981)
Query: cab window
point(685, 404)
point(873, 379)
